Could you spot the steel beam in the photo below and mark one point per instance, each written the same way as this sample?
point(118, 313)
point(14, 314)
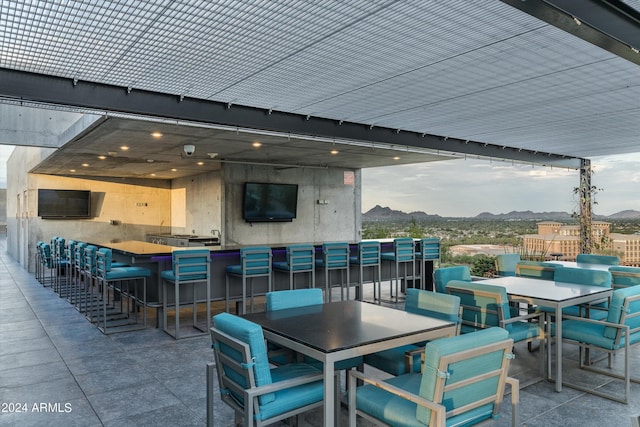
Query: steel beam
point(609, 24)
point(102, 98)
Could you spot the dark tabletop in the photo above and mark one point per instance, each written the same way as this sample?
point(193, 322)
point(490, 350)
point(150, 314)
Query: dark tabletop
point(340, 325)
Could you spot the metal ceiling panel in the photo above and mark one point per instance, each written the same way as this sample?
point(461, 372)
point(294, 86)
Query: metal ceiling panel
point(459, 71)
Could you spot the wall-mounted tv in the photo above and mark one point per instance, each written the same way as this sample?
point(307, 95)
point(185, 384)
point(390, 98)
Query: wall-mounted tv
point(267, 202)
point(64, 203)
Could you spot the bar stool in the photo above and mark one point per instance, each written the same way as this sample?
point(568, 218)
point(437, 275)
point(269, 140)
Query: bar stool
point(120, 280)
point(78, 272)
point(335, 256)
point(300, 259)
point(254, 262)
point(368, 256)
point(404, 250)
point(189, 267)
point(429, 251)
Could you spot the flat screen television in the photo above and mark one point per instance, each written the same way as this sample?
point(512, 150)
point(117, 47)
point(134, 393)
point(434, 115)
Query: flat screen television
point(268, 202)
point(64, 203)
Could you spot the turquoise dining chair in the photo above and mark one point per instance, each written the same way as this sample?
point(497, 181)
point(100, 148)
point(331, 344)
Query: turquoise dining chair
point(622, 276)
point(506, 264)
point(597, 259)
point(462, 384)
point(406, 358)
point(444, 275)
point(258, 393)
point(536, 269)
point(614, 334)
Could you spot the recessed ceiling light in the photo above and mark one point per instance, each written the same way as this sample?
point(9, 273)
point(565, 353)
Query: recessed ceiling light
point(102, 157)
point(174, 170)
point(200, 163)
point(153, 174)
point(72, 170)
point(156, 134)
point(150, 160)
point(257, 144)
point(396, 158)
point(334, 151)
point(85, 165)
point(124, 148)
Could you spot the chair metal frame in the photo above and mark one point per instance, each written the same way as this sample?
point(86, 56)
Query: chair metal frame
point(253, 263)
point(428, 251)
point(622, 332)
point(404, 252)
point(439, 413)
point(184, 274)
point(368, 257)
point(335, 257)
point(300, 259)
point(112, 320)
point(485, 313)
point(245, 414)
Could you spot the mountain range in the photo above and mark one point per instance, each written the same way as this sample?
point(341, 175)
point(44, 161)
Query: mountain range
point(379, 213)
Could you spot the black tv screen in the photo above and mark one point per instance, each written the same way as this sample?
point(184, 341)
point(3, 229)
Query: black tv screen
point(265, 202)
point(64, 203)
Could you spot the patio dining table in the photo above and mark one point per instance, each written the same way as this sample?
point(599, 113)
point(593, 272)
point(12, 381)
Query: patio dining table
point(344, 329)
point(549, 293)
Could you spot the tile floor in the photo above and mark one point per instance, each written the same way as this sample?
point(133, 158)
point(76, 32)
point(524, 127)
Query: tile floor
point(59, 370)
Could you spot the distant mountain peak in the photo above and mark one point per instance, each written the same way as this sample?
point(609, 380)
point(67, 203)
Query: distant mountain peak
point(378, 213)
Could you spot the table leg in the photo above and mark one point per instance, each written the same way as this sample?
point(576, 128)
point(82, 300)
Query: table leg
point(558, 349)
point(329, 394)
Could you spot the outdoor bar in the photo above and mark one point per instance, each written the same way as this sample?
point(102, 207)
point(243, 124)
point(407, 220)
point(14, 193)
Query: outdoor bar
point(185, 242)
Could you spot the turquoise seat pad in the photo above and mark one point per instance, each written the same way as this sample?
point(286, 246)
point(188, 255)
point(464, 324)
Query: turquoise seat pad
point(122, 273)
point(392, 360)
point(295, 397)
point(400, 412)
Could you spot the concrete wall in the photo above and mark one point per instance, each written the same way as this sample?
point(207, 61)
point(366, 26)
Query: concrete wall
point(131, 209)
point(122, 210)
point(339, 219)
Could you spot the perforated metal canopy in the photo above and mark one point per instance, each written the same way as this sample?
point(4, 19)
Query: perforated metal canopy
point(481, 73)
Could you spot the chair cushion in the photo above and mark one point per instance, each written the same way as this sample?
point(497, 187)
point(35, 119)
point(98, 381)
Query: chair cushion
point(431, 304)
point(392, 360)
point(625, 276)
point(391, 409)
point(583, 276)
point(279, 300)
point(442, 276)
point(615, 309)
point(122, 273)
point(474, 299)
point(295, 397)
point(250, 333)
point(461, 370)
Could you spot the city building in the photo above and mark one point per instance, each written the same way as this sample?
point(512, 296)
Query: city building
point(564, 241)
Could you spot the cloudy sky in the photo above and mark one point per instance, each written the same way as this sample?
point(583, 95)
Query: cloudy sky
point(469, 187)
point(465, 188)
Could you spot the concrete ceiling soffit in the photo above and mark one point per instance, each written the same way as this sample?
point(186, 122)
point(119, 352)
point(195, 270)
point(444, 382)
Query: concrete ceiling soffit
point(610, 24)
point(104, 99)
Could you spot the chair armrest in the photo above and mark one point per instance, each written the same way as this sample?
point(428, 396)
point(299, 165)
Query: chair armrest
point(515, 400)
point(440, 410)
point(281, 385)
point(588, 320)
point(408, 357)
point(525, 317)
